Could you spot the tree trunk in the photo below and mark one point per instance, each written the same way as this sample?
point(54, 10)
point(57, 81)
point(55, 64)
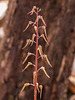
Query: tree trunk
point(59, 16)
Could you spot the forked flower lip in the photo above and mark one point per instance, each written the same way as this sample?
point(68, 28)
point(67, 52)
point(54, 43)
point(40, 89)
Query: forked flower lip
point(28, 54)
point(43, 68)
point(29, 63)
point(25, 85)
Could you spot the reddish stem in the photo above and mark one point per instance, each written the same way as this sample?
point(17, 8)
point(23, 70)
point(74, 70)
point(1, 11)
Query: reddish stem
point(36, 60)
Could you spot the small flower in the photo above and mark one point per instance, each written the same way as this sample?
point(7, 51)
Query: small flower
point(44, 28)
point(45, 56)
point(28, 54)
point(43, 20)
point(30, 22)
point(29, 63)
point(32, 11)
point(28, 41)
point(39, 17)
point(44, 38)
point(43, 68)
point(25, 85)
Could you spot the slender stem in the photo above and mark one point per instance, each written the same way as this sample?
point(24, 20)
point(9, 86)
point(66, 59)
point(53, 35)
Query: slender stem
point(36, 61)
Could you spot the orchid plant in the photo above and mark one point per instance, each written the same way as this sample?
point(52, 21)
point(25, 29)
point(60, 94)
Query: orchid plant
point(39, 52)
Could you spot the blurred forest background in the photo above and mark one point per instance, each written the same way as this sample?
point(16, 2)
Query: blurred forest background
point(59, 16)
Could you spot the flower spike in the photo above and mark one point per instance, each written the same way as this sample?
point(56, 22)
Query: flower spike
point(28, 54)
point(43, 68)
point(45, 56)
point(26, 84)
point(30, 22)
point(40, 86)
point(32, 11)
point(28, 41)
point(40, 50)
point(29, 63)
point(44, 38)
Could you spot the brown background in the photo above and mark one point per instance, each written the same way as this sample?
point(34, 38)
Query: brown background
point(59, 16)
